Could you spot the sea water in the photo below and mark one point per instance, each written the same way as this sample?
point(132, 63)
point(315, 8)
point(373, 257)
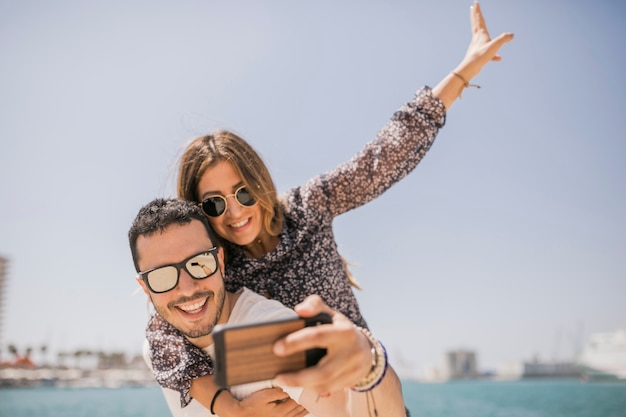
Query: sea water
point(83, 402)
point(525, 398)
point(553, 398)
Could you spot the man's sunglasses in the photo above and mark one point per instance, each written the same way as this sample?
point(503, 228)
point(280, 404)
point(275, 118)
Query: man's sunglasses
point(215, 205)
point(165, 278)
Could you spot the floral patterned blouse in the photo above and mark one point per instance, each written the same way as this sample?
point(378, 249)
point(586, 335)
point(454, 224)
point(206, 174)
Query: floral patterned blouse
point(306, 260)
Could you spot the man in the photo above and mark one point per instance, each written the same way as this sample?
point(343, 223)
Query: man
point(181, 266)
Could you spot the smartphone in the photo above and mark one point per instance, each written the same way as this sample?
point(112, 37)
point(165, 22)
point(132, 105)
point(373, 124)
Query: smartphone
point(243, 353)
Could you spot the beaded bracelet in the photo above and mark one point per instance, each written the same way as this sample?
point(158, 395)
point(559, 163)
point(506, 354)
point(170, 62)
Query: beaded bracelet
point(379, 365)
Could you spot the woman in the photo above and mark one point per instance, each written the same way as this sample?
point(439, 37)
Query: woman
point(284, 247)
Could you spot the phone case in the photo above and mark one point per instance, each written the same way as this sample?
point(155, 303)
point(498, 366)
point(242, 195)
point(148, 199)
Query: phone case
point(243, 353)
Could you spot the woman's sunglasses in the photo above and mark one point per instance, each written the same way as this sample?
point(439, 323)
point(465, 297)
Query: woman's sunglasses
point(215, 205)
point(165, 278)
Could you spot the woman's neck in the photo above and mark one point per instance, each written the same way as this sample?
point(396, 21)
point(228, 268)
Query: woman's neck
point(263, 244)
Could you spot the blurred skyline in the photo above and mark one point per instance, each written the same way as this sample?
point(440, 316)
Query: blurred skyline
point(509, 238)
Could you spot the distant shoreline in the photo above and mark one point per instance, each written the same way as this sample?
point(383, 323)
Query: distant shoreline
point(75, 377)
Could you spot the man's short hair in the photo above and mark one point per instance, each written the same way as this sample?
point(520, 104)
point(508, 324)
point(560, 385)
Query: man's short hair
point(161, 213)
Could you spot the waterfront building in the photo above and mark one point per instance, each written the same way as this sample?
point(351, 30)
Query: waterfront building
point(461, 364)
point(538, 369)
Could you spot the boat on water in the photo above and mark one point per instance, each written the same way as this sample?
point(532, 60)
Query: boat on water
point(604, 356)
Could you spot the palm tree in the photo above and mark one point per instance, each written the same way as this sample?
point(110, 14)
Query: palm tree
point(78, 354)
point(44, 350)
point(13, 350)
point(26, 360)
point(62, 356)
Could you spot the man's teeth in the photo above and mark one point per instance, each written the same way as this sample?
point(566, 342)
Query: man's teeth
point(192, 307)
point(239, 224)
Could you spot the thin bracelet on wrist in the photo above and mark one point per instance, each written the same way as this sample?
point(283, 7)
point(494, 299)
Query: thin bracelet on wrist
point(217, 393)
point(466, 83)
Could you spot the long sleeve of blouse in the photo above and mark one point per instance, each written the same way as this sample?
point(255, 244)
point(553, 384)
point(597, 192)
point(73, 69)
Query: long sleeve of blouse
point(396, 151)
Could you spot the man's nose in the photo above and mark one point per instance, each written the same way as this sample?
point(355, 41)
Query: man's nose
point(186, 283)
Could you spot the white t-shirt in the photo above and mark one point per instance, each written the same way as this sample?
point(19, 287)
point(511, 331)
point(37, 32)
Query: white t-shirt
point(249, 308)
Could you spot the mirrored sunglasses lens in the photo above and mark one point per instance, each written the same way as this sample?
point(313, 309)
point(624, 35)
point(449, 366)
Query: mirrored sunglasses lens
point(214, 206)
point(163, 279)
point(202, 266)
point(244, 197)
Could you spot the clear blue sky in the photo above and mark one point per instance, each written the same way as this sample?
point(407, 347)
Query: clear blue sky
point(509, 238)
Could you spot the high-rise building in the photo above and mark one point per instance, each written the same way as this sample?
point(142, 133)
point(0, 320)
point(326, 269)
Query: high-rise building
point(3, 273)
point(461, 364)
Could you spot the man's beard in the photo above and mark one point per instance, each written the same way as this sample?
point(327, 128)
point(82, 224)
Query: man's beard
point(208, 328)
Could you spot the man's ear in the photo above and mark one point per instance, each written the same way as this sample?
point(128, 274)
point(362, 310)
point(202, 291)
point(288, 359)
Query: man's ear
point(220, 258)
point(143, 285)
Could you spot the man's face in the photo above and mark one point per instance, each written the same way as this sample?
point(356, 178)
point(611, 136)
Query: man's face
point(194, 306)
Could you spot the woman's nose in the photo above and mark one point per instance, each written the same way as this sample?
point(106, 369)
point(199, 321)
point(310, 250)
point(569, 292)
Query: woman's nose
point(232, 206)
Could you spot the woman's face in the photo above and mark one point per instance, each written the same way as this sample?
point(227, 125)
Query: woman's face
point(238, 224)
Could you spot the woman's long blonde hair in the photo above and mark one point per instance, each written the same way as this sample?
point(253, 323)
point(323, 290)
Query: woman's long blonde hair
point(222, 145)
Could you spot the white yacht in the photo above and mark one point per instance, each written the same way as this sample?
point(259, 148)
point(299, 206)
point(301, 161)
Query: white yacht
point(604, 356)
